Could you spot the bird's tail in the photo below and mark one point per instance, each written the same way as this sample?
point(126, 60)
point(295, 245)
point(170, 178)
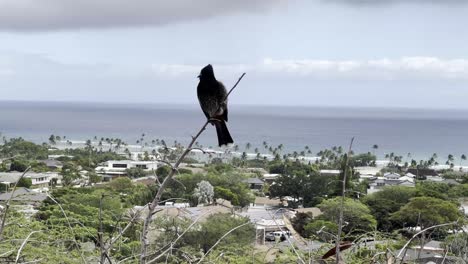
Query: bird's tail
point(224, 137)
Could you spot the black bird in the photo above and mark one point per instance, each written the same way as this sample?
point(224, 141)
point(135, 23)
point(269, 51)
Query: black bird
point(212, 97)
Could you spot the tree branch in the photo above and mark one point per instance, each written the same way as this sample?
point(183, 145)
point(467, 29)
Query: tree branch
point(152, 206)
point(7, 206)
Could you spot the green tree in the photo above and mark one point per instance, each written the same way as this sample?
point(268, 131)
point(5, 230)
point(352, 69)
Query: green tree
point(19, 165)
point(69, 174)
point(387, 201)
point(426, 212)
point(356, 214)
point(121, 185)
point(93, 177)
point(216, 226)
point(325, 231)
point(25, 182)
point(135, 172)
point(52, 140)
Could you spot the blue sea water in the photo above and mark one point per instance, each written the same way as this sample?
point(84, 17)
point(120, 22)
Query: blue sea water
point(416, 131)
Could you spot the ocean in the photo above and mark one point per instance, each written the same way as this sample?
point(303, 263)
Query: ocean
point(416, 131)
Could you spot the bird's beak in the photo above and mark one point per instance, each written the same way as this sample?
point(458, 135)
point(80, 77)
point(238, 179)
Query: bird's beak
point(199, 76)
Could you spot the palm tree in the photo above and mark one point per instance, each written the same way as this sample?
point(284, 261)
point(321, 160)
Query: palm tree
point(463, 157)
point(449, 159)
point(375, 147)
point(247, 146)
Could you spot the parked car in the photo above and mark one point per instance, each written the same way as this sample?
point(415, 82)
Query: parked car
point(276, 236)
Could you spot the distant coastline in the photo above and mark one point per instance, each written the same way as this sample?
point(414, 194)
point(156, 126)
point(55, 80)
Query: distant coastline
point(402, 131)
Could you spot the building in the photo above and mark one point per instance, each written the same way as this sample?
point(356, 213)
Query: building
point(270, 178)
point(52, 164)
point(116, 168)
point(37, 179)
point(24, 196)
point(330, 172)
point(391, 180)
point(254, 183)
point(265, 202)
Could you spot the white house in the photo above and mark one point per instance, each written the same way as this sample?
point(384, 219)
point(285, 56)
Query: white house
point(119, 167)
point(37, 179)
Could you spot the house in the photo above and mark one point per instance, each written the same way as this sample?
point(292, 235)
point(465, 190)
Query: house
point(382, 182)
point(52, 164)
point(431, 252)
point(24, 196)
point(254, 183)
point(330, 172)
point(391, 176)
point(265, 202)
point(422, 173)
point(270, 178)
point(116, 168)
point(37, 179)
point(314, 211)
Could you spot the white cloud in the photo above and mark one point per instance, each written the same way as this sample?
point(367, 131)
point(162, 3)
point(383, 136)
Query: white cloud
point(386, 69)
point(46, 15)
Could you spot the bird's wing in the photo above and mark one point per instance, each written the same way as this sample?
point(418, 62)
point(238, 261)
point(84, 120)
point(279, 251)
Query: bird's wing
point(223, 100)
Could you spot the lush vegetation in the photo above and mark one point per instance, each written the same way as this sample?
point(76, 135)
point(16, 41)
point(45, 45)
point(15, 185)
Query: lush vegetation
point(88, 222)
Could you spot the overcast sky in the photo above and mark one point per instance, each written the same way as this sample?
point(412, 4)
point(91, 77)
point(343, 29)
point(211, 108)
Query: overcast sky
point(379, 53)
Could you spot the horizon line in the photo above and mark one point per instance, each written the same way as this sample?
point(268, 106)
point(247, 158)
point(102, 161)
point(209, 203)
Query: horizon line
point(121, 103)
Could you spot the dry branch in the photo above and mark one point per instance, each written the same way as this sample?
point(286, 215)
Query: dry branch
point(152, 206)
point(7, 206)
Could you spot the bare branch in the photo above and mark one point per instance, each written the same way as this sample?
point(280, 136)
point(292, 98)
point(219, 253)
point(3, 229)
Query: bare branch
point(179, 237)
point(403, 250)
point(7, 206)
point(69, 226)
point(23, 244)
point(165, 162)
point(152, 206)
point(220, 239)
point(340, 219)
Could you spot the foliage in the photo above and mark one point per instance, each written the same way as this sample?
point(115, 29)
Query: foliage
point(324, 231)
point(220, 176)
point(215, 227)
point(135, 172)
point(304, 188)
point(457, 244)
point(19, 165)
point(426, 212)
point(387, 201)
point(69, 173)
point(93, 177)
point(25, 182)
point(121, 185)
point(433, 189)
point(204, 192)
point(356, 215)
point(300, 221)
point(163, 171)
point(25, 149)
point(459, 191)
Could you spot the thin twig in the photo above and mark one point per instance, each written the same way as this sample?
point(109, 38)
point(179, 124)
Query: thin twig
point(152, 206)
point(219, 240)
point(23, 244)
point(7, 206)
point(403, 250)
point(343, 193)
point(69, 226)
point(179, 237)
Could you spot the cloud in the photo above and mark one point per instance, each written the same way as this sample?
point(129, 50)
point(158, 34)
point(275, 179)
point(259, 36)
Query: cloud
point(49, 15)
point(386, 2)
point(380, 69)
